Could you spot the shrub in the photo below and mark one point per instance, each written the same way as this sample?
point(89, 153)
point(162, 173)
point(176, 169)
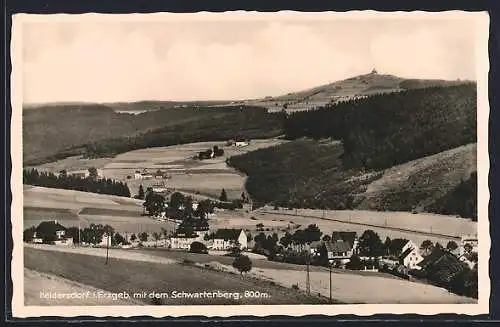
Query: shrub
point(198, 247)
point(355, 263)
point(242, 263)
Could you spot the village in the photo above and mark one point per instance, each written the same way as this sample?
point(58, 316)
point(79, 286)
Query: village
point(194, 227)
point(337, 249)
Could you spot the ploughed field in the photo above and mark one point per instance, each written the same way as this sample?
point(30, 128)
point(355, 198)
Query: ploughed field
point(122, 275)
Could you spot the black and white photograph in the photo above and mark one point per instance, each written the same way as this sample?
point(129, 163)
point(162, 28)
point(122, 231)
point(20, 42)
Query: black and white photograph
point(273, 163)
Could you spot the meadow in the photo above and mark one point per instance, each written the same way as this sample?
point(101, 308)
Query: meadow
point(134, 276)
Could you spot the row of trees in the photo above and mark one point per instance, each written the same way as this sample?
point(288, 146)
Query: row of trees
point(91, 183)
point(93, 234)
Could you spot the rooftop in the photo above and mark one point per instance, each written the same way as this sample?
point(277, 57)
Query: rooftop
point(228, 234)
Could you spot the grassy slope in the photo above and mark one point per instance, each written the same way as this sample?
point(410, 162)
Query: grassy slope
point(132, 276)
point(355, 86)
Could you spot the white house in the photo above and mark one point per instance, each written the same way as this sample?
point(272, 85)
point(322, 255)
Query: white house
point(470, 242)
point(225, 239)
point(410, 256)
point(240, 143)
point(180, 241)
point(105, 239)
point(137, 175)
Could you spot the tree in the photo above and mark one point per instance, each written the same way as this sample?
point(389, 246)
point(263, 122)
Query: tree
point(156, 236)
point(176, 200)
point(223, 196)
point(143, 236)
point(354, 263)
point(235, 251)
point(133, 237)
point(198, 247)
point(28, 234)
point(242, 263)
point(286, 240)
point(276, 207)
point(243, 197)
point(249, 237)
point(93, 173)
point(451, 246)
point(118, 239)
point(326, 238)
point(312, 233)
point(370, 244)
point(140, 194)
point(468, 248)
point(260, 239)
point(427, 246)
point(387, 245)
point(154, 203)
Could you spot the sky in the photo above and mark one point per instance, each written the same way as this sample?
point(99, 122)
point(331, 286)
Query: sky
point(104, 60)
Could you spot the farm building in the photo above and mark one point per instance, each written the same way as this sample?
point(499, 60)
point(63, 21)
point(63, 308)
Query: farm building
point(225, 239)
point(183, 241)
point(240, 143)
point(143, 175)
point(350, 237)
point(51, 232)
point(159, 187)
point(84, 173)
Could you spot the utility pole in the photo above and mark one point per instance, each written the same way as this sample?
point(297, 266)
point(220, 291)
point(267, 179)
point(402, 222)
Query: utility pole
point(107, 247)
point(330, 282)
point(308, 281)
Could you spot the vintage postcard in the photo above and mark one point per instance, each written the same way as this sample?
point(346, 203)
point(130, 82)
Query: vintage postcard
point(246, 163)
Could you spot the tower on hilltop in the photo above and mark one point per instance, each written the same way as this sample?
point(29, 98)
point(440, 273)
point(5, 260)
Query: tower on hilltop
point(374, 71)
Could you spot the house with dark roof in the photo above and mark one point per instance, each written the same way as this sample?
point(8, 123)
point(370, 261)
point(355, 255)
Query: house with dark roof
point(441, 266)
point(338, 250)
point(51, 232)
point(225, 239)
point(350, 237)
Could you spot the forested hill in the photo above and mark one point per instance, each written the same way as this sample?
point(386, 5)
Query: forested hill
point(55, 132)
point(408, 151)
point(385, 130)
